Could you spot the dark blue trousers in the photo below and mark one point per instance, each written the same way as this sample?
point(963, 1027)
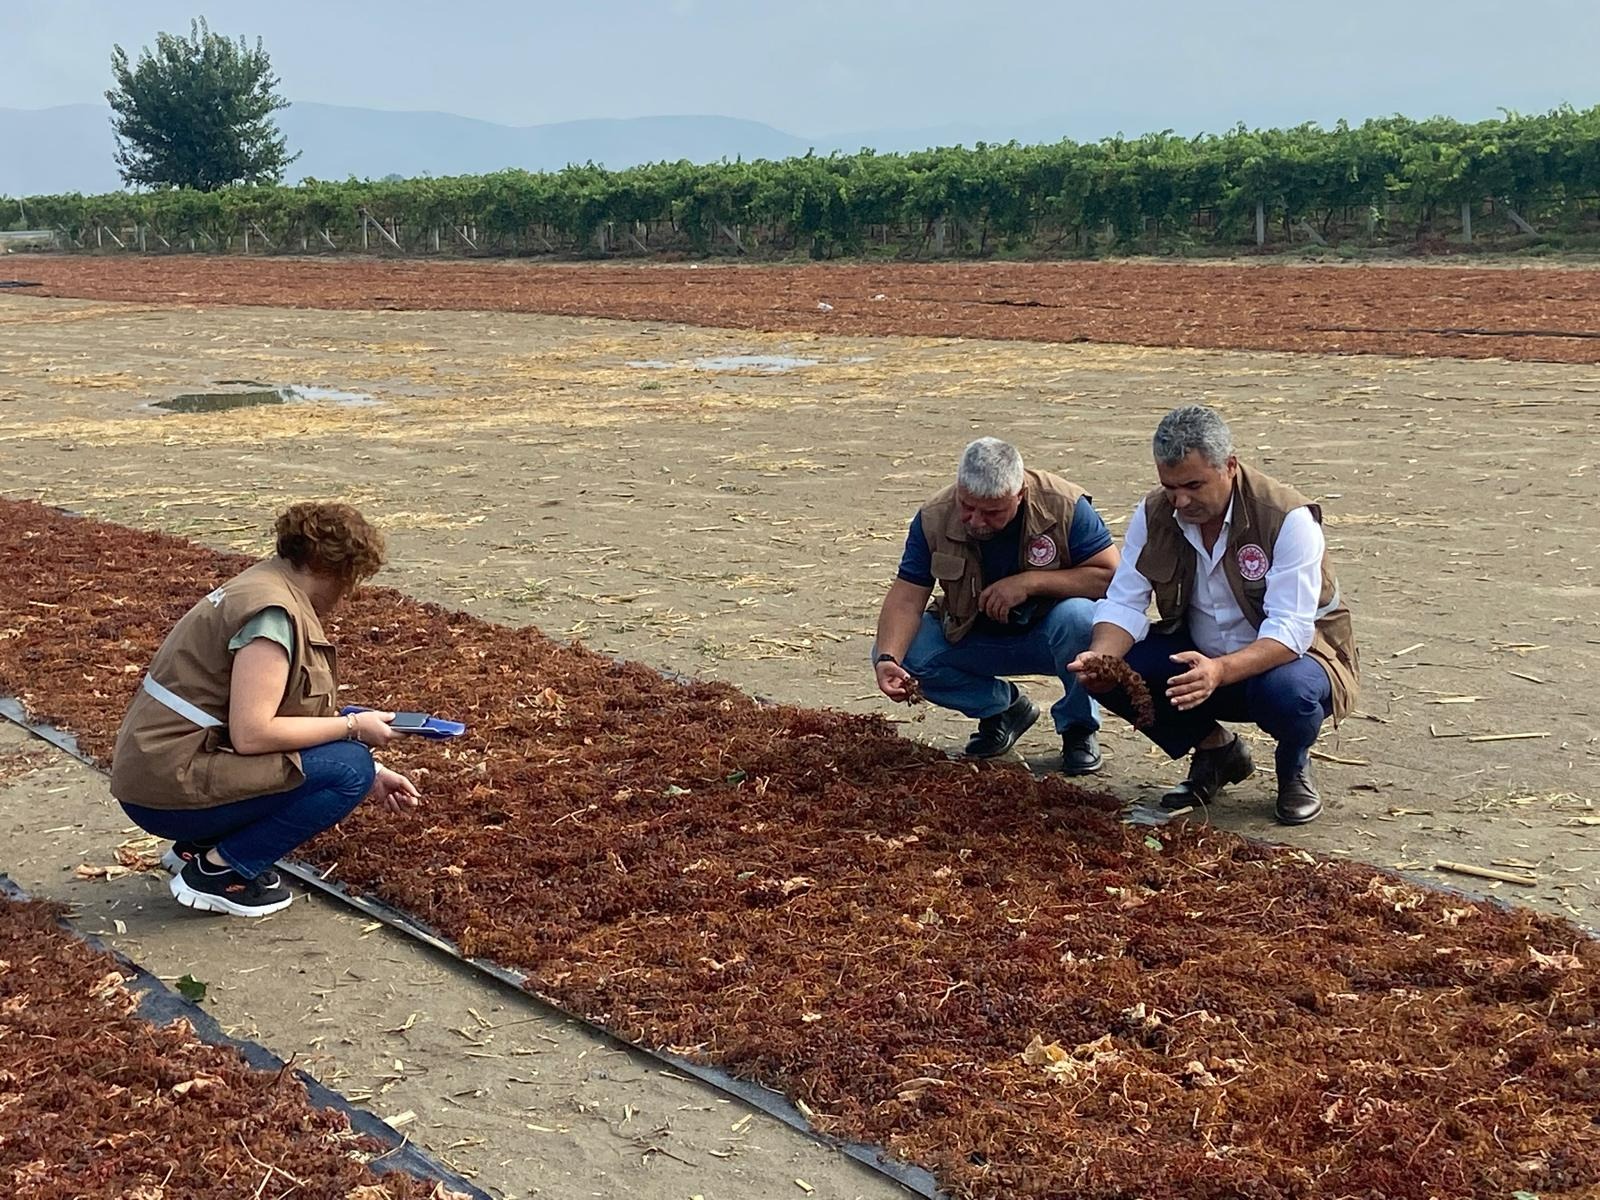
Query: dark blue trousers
point(1290, 702)
point(251, 835)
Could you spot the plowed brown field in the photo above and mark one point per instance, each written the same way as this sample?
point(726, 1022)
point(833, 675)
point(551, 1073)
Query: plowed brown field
point(1533, 314)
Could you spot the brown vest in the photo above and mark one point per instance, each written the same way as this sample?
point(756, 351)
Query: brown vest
point(164, 760)
point(957, 560)
point(1260, 506)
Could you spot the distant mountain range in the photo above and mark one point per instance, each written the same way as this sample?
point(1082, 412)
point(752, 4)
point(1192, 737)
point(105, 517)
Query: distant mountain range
point(69, 149)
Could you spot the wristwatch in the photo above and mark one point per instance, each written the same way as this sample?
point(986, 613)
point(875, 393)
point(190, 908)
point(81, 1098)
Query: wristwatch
point(883, 658)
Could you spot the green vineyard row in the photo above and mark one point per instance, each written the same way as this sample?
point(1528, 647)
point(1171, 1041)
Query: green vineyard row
point(1230, 188)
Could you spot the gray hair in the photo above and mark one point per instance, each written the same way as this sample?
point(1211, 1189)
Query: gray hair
point(990, 469)
point(1194, 427)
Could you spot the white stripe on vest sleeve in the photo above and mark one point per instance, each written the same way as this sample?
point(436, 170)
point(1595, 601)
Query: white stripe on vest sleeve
point(189, 712)
point(1294, 582)
point(1128, 597)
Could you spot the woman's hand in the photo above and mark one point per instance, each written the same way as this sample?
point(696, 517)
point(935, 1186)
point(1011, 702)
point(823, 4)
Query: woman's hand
point(372, 728)
point(394, 791)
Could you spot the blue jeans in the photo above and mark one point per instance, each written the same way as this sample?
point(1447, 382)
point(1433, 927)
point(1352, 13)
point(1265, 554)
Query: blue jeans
point(968, 676)
point(1289, 702)
point(252, 834)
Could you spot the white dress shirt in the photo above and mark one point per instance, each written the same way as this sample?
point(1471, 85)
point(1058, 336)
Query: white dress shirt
point(1216, 622)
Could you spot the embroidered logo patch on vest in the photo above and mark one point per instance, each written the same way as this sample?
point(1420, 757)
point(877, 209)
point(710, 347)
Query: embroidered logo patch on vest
point(1042, 551)
point(1253, 562)
point(216, 597)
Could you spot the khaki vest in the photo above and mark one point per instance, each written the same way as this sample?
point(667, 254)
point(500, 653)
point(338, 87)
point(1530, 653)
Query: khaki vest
point(957, 559)
point(164, 760)
point(1260, 505)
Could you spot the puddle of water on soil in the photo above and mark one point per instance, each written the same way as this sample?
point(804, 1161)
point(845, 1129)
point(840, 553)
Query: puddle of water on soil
point(206, 402)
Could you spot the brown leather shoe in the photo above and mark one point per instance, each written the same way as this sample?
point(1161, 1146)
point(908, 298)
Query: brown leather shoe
point(1209, 772)
point(1298, 801)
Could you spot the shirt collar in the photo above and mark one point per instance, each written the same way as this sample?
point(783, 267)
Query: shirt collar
point(1191, 534)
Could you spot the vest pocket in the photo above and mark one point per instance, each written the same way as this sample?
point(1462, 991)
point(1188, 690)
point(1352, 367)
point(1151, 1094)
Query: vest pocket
point(1158, 568)
point(958, 606)
point(318, 686)
point(1161, 571)
point(224, 777)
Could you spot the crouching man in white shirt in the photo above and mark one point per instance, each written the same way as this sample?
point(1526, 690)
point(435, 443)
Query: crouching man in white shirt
point(1250, 624)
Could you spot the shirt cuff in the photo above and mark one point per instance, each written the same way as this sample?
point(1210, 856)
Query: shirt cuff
point(1133, 622)
point(1292, 633)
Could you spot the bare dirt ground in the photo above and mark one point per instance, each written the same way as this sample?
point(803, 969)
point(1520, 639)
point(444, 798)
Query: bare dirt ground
point(743, 525)
point(1447, 311)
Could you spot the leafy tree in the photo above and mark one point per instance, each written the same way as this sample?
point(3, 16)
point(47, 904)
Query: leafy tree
point(197, 112)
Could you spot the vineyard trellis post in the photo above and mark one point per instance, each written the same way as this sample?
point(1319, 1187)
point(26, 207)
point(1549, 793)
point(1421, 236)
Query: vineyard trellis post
point(1516, 219)
point(367, 220)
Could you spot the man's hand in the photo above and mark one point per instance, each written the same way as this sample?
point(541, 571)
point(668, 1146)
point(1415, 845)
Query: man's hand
point(895, 682)
point(1090, 668)
point(394, 791)
point(1194, 686)
point(998, 599)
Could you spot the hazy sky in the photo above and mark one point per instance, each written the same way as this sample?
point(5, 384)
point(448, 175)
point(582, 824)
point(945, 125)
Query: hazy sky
point(823, 66)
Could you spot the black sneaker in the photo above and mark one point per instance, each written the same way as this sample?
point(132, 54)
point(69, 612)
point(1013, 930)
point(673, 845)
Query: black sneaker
point(181, 852)
point(997, 734)
point(222, 889)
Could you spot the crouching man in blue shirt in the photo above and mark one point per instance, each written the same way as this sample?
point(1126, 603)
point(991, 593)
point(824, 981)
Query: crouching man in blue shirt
point(1020, 557)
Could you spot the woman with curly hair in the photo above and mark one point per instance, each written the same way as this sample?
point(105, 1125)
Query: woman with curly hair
point(234, 746)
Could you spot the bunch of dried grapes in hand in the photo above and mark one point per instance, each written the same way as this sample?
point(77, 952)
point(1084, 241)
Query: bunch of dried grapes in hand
point(1103, 672)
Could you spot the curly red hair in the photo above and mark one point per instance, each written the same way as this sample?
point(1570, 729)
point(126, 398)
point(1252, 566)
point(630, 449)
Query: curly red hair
point(331, 539)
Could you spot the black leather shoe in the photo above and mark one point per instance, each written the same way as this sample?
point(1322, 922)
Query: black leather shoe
point(999, 733)
point(1209, 772)
point(1298, 801)
point(1080, 751)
